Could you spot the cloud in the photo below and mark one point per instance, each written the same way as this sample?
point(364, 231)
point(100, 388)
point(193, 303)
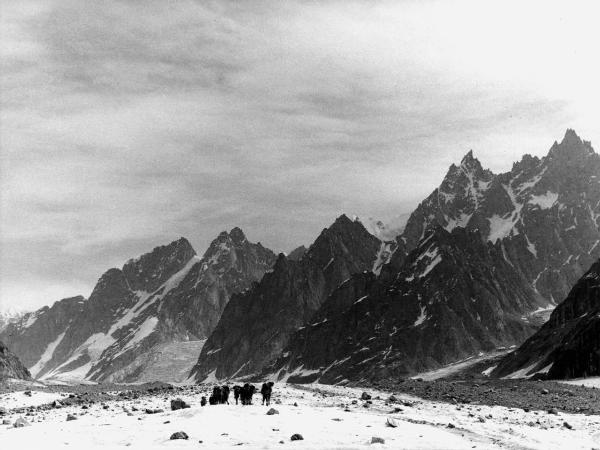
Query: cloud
point(127, 124)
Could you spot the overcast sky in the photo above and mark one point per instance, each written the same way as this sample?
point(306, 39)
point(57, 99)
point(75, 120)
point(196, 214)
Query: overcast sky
point(127, 124)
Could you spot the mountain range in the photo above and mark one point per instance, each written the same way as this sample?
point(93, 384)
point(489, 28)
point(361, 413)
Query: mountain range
point(169, 295)
point(478, 265)
point(478, 261)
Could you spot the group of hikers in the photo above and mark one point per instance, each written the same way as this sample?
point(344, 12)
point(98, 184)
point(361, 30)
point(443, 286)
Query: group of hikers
point(243, 394)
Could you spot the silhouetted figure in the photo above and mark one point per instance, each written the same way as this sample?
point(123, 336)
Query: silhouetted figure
point(224, 395)
point(266, 391)
point(203, 401)
point(215, 398)
point(237, 390)
point(247, 392)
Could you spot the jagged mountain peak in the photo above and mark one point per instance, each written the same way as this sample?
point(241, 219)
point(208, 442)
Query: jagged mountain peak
point(237, 234)
point(571, 137)
point(466, 179)
point(572, 149)
point(527, 163)
point(470, 162)
point(336, 239)
point(342, 220)
point(224, 244)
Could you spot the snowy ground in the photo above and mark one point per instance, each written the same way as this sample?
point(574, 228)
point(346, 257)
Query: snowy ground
point(587, 382)
point(320, 417)
point(19, 399)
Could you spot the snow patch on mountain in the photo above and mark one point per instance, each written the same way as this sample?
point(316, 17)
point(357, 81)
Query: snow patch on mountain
point(501, 227)
point(383, 256)
point(532, 182)
point(544, 201)
point(461, 221)
point(422, 317)
point(144, 330)
point(434, 257)
point(46, 356)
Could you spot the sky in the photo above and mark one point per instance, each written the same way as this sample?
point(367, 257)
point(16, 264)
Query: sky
point(127, 124)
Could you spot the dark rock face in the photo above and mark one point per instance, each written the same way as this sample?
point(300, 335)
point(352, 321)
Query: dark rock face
point(455, 296)
point(446, 293)
point(568, 345)
point(256, 325)
point(10, 366)
point(167, 295)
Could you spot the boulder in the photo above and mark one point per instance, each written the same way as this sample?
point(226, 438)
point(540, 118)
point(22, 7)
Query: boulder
point(20, 423)
point(377, 440)
point(272, 411)
point(178, 404)
point(179, 435)
point(297, 437)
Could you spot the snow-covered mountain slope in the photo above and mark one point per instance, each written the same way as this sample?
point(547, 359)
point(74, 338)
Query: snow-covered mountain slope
point(167, 295)
point(256, 324)
point(568, 345)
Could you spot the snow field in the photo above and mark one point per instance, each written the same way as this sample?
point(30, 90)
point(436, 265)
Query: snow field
point(319, 417)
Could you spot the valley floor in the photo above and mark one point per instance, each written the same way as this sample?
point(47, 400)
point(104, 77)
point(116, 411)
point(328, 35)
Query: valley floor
point(328, 417)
